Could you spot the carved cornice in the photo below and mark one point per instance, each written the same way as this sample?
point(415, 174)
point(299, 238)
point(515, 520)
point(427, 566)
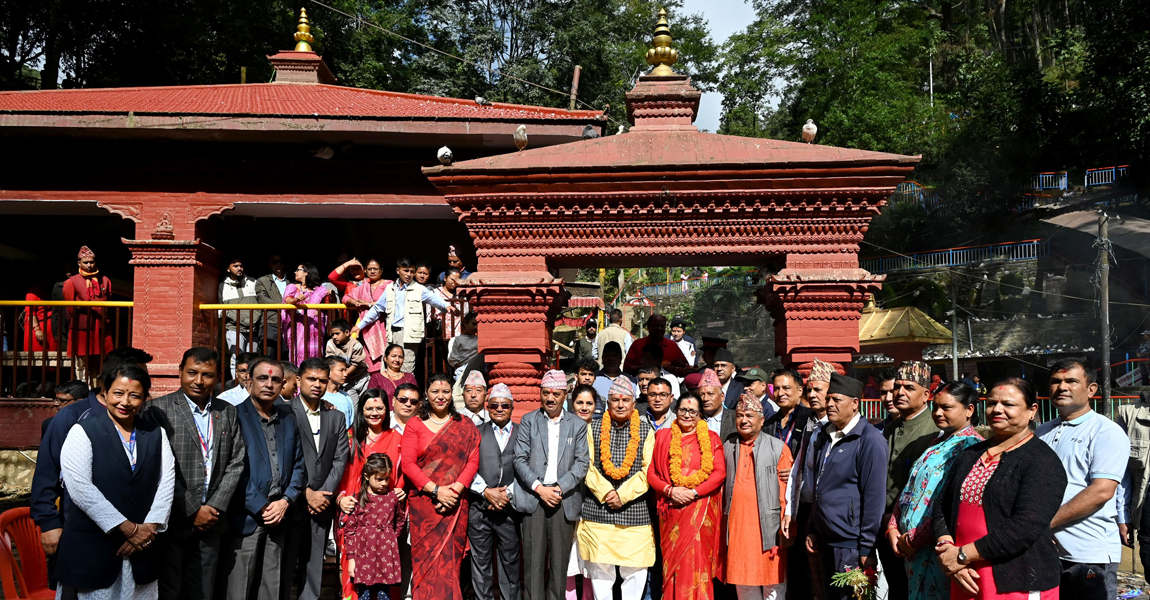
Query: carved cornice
point(127, 209)
point(198, 211)
point(170, 253)
point(699, 203)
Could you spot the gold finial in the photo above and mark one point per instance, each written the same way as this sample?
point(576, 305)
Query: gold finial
point(662, 56)
point(303, 35)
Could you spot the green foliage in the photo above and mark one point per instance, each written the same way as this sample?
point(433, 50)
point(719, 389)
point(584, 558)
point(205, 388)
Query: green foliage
point(187, 42)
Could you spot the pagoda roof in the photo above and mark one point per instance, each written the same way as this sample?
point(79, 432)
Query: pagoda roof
point(649, 150)
point(274, 99)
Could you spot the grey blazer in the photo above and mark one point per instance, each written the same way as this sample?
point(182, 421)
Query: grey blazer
point(531, 461)
point(324, 465)
point(765, 458)
point(173, 414)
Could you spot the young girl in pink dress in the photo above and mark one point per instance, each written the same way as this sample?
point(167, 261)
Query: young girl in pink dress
point(371, 540)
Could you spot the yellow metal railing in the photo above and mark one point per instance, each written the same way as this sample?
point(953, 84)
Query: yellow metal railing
point(47, 342)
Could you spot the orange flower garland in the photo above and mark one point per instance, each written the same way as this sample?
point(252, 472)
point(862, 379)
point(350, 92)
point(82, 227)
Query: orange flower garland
point(618, 473)
point(698, 477)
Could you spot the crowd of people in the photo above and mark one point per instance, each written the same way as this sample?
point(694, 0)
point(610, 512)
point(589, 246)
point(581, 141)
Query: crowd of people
point(655, 468)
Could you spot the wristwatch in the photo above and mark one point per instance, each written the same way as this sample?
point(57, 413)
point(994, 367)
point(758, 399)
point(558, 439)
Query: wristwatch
point(961, 557)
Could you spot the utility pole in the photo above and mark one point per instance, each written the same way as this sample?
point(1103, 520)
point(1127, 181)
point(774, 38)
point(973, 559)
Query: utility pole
point(575, 86)
point(953, 326)
point(1104, 284)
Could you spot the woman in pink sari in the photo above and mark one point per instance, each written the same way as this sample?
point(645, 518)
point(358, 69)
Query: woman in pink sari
point(362, 297)
point(303, 329)
point(440, 456)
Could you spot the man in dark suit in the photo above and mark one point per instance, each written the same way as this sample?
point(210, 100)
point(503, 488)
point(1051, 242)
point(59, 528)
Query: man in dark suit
point(719, 418)
point(209, 461)
point(725, 368)
point(270, 290)
point(492, 523)
point(273, 478)
point(551, 460)
point(323, 435)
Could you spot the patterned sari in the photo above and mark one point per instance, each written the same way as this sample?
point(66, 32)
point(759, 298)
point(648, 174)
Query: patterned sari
point(439, 540)
point(689, 535)
point(303, 329)
point(374, 337)
point(912, 513)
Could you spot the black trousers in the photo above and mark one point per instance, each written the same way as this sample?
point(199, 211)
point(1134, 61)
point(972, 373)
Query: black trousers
point(547, 539)
point(798, 562)
point(892, 564)
point(188, 564)
point(1082, 581)
point(836, 560)
point(491, 533)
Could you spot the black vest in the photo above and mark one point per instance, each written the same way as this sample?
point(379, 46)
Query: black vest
point(87, 556)
point(497, 468)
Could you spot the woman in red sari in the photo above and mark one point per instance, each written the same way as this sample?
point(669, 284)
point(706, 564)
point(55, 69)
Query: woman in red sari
point(371, 434)
point(439, 458)
point(362, 296)
point(686, 476)
point(86, 335)
point(391, 375)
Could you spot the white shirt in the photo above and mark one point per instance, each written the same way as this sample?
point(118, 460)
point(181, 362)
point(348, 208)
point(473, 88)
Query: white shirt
point(234, 396)
point(837, 436)
point(396, 425)
point(806, 494)
point(502, 436)
point(552, 474)
point(478, 418)
point(715, 422)
point(313, 419)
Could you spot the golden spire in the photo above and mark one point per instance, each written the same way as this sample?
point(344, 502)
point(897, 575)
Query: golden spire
point(303, 35)
point(662, 56)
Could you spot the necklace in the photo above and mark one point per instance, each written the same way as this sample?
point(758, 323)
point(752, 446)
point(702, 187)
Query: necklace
point(372, 437)
point(990, 458)
point(437, 421)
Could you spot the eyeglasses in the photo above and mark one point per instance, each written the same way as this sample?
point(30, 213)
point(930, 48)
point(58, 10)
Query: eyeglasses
point(494, 406)
point(688, 412)
point(298, 269)
point(403, 400)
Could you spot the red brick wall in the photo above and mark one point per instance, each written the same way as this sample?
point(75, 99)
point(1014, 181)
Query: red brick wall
point(20, 422)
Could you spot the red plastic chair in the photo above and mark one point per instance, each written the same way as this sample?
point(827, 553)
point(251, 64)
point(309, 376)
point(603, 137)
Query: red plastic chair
point(31, 573)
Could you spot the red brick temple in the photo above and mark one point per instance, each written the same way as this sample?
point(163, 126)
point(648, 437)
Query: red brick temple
point(184, 164)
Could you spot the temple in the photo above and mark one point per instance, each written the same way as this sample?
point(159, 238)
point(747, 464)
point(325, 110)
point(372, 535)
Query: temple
point(199, 172)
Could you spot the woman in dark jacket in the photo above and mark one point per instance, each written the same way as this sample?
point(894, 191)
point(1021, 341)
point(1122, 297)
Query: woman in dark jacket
point(992, 521)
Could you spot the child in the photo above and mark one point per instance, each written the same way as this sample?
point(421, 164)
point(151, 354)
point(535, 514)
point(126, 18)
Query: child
point(343, 345)
point(464, 346)
point(371, 540)
point(291, 381)
point(337, 369)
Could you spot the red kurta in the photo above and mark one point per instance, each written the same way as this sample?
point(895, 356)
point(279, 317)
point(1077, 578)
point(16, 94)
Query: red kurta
point(86, 324)
point(688, 535)
point(748, 564)
point(387, 443)
point(43, 319)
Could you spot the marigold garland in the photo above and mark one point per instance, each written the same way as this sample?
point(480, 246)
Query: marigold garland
point(618, 473)
point(708, 461)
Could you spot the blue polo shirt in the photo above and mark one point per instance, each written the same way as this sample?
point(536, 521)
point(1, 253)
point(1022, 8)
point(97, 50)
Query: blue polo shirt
point(1090, 447)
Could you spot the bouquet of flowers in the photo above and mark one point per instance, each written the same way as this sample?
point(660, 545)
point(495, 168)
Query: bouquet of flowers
point(863, 582)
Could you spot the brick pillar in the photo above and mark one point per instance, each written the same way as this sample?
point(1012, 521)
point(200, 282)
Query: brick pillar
point(816, 303)
point(174, 273)
point(516, 312)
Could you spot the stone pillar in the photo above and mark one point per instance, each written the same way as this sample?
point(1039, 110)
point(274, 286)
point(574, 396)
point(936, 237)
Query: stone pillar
point(816, 304)
point(516, 311)
point(174, 273)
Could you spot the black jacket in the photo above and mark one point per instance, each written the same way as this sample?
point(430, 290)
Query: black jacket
point(802, 414)
point(1020, 500)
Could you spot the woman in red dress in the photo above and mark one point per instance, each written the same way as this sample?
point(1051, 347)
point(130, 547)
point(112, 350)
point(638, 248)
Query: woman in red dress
point(440, 456)
point(371, 434)
point(993, 519)
point(688, 502)
point(86, 333)
point(36, 322)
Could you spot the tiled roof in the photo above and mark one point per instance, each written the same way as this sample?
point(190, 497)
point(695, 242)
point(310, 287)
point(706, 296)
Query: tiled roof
point(271, 99)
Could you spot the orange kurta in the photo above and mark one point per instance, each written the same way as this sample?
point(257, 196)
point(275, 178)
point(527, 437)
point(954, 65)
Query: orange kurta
point(747, 564)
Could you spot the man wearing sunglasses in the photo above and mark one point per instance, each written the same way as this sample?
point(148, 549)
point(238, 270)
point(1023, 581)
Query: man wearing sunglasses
point(551, 460)
point(407, 398)
point(492, 524)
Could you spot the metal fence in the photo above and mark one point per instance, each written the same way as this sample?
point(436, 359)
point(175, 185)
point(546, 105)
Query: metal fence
point(1105, 175)
point(1055, 180)
point(685, 286)
point(873, 409)
point(951, 257)
point(46, 343)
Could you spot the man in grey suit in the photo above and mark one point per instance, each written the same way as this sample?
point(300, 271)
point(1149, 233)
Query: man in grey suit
point(270, 290)
point(323, 435)
point(203, 433)
point(551, 460)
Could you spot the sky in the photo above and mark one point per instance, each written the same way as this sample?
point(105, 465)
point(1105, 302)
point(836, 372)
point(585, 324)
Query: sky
point(724, 17)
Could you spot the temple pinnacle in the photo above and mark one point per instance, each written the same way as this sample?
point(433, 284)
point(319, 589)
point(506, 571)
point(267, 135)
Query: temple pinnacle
point(662, 56)
point(303, 35)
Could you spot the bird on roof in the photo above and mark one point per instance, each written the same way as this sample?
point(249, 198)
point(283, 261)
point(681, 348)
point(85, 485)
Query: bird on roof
point(481, 101)
point(589, 133)
point(520, 137)
point(809, 131)
point(445, 156)
point(622, 130)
